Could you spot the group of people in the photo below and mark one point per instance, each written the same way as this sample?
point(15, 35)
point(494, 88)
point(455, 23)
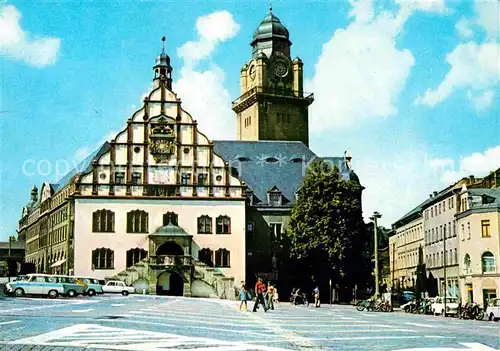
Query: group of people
point(267, 296)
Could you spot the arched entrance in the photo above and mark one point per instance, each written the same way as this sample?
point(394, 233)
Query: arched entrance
point(170, 283)
point(169, 248)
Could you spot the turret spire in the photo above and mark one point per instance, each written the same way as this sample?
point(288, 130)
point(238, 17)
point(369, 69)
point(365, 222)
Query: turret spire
point(162, 69)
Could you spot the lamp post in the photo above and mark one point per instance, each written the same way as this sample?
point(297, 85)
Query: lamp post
point(374, 218)
point(9, 264)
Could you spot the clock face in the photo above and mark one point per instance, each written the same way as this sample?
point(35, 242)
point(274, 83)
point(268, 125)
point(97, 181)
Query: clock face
point(252, 72)
point(280, 69)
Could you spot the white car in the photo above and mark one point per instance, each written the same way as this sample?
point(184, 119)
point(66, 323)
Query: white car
point(493, 310)
point(116, 286)
point(451, 306)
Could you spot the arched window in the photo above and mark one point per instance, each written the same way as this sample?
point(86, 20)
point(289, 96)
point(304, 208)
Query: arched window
point(206, 256)
point(170, 217)
point(135, 255)
point(467, 264)
point(488, 262)
point(222, 258)
point(223, 225)
point(103, 258)
point(103, 221)
point(137, 221)
point(204, 225)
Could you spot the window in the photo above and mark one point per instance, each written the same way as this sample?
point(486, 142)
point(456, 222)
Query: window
point(432, 237)
point(137, 221)
point(170, 217)
point(275, 199)
point(223, 225)
point(206, 256)
point(463, 232)
point(202, 179)
point(250, 226)
point(444, 206)
point(432, 212)
point(449, 229)
point(222, 258)
point(455, 257)
point(103, 221)
point(444, 230)
point(136, 178)
point(485, 228)
point(468, 228)
point(204, 225)
point(488, 263)
point(103, 258)
point(467, 264)
point(275, 230)
point(119, 178)
point(439, 208)
point(186, 178)
point(440, 232)
point(135, 255)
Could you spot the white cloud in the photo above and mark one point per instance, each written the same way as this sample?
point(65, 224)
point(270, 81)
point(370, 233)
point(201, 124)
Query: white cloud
point(423, 5)
point(488, 17)
point(464, 28)
point(482, 100)
point(478, 164)
point(17, 44)
point(360, 72)
point(212, 29)
point(202, 91)
point(473, 66)
point(205, 98)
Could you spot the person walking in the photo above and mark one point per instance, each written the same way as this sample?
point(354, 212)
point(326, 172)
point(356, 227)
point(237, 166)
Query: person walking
point(243, 296)
point(270, 296)
point(260, 288)
point(316, 297)
point(276, 296)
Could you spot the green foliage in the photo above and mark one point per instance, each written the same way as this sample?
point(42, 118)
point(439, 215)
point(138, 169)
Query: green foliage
point(325, 232)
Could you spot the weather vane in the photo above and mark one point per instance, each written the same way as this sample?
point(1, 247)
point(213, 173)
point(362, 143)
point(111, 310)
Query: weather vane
point(270, 6)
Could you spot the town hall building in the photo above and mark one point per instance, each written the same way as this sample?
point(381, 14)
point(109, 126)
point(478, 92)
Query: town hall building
point(164, 208)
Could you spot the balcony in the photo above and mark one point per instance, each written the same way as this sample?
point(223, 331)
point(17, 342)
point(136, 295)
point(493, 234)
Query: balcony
point(309, 97)
point(170, 260)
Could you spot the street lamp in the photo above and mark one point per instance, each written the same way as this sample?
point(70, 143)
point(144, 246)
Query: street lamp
point(374, 218)
point(11, 239)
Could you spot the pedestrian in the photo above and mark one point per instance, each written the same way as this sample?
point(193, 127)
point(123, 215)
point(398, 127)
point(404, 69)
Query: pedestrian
point(276, 297)
point(270, 296)
point(260, 288)
point(316, 296)
point(243, 296)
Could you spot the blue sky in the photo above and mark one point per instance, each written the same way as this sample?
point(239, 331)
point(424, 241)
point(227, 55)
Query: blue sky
point(409, 87)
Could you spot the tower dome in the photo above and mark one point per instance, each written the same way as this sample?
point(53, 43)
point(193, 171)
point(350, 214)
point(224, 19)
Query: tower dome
point(271, 36)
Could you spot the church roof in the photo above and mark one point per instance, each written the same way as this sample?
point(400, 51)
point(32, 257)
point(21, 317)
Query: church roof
point(270, 27)
point(265, 165)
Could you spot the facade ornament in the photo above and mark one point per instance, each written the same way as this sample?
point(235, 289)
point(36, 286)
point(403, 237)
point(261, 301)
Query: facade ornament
point(162, 142)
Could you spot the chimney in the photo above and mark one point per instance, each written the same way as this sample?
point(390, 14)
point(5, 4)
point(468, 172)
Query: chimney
point(430, 195)
point(471, 179)
point(435, 193)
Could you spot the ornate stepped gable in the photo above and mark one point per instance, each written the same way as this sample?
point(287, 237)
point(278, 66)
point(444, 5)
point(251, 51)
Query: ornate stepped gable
point(160, 153)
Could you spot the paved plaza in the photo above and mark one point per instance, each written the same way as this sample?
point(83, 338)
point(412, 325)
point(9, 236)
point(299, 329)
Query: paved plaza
point(168, 323)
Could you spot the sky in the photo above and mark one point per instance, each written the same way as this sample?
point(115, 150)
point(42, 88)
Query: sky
point(410, 88)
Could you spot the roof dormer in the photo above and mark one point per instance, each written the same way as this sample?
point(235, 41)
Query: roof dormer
point(274, 196)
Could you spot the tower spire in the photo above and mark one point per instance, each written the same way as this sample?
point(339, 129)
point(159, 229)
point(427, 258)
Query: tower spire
point(162, 69)
point(270, 6)
point(163, 48)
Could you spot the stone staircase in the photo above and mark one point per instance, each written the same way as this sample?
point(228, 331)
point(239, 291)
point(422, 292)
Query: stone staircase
point(222, 287)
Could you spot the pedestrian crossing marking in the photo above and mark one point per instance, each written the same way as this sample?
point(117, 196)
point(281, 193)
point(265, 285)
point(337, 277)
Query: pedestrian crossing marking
point(97, 336)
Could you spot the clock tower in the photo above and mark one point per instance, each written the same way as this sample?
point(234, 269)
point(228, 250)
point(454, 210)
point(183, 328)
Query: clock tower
point(272, 105)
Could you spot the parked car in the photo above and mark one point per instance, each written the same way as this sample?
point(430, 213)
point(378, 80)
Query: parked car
point(72, 286)
point(451, 306)
point(493, 310)
point(406, 296)
point(35, 284)
point(93, 286)
point(116, 286)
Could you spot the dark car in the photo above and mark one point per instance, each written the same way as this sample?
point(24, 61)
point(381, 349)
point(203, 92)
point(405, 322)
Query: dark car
point(406, 296)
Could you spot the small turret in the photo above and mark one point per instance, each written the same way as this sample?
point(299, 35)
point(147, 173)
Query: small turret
point(34, 194)
point(163, 70)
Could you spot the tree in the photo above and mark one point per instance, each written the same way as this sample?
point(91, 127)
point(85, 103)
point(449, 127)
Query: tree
point(421, 284)
point(326, 234)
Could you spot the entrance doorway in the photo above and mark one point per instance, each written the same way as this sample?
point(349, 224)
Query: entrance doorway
point(170, 248)
point(170, 283)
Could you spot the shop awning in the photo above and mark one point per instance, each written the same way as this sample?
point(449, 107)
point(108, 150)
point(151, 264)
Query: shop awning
point(58, 263)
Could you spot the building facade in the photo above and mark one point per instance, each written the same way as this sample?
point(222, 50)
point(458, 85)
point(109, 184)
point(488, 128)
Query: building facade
point(163, 207)
point(404, 246)
point(478, 223)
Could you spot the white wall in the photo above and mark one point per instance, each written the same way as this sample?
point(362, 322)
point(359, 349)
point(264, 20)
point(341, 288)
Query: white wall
point(187, 210)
